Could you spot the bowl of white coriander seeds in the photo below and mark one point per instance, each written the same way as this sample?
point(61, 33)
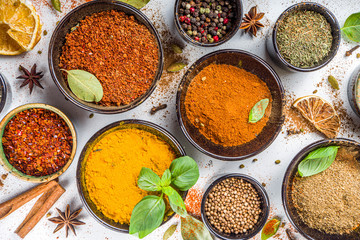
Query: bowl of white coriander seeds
point(235, 206)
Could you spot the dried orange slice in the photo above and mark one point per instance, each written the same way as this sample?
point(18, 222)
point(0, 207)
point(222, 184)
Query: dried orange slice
point(320, 113)
point(20, 27)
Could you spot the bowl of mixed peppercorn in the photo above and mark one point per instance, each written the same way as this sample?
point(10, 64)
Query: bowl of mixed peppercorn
point(207, 23)
point(235, 206)
point(38, 142)
point(305, 38)
point(114, 42)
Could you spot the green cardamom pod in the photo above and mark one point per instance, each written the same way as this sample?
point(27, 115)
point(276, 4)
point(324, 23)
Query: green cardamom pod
point(56, 4)
point(175, 67)
point(176, 49)
point(333, 82)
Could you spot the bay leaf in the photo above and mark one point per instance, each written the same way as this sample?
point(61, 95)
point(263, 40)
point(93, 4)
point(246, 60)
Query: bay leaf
point(176, 48)
point(258, 111)
point(270, 228)
point(84, 85)
point(175, 67)
point(193, 229)
point(351, 27)
point(136, 3)
point(169, 232)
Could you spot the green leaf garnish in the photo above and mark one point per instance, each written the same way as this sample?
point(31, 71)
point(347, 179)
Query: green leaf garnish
point(84, 85)
point(258, 111)
point(147, 215)
point(184, 173)
point(148, 180)
point(351, 27)
point(176, 202)
point(317, 161)
point(169, 232)
point(136, 3)
point(166, 178)
point(270, 228)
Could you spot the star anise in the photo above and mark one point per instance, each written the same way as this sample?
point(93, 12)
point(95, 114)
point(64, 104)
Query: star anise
point(30, 77)
point(251, 21)
point(66, 219)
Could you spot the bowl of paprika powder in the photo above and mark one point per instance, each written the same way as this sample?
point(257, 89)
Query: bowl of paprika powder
point(116, 43)
point(215, 99)
point(37, 142)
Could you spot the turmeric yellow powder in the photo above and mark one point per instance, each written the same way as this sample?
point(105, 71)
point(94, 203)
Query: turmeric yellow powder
point(113, 166)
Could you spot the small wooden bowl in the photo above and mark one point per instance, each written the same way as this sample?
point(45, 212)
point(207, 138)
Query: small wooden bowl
point(11, 169)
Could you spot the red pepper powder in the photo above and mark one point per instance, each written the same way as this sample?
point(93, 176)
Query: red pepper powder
point(193, 202)
point(120, 51)
point(37, 142)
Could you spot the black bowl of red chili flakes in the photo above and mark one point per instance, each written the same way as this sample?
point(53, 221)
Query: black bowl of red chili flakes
point(115, 42)
point(38, 142)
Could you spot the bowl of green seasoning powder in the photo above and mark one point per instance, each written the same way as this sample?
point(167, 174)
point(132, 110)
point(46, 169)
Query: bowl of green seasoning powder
point(305, 38)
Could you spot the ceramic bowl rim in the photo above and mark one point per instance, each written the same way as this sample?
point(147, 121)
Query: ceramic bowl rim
point(260, 190)
point(180, 115)
point(96, 109)
point(97, 134)
point(13, 170)
point(336, 44)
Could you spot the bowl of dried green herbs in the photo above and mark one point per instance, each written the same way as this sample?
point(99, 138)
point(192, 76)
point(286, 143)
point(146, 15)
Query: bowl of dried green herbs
point(305, 38)
point(320, 190)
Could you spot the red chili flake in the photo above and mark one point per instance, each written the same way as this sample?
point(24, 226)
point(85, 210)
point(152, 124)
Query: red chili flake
point(37, 142)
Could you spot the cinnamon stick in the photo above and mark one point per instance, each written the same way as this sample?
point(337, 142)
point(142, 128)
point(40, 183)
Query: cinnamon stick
point(41, 207)
point(10, 206)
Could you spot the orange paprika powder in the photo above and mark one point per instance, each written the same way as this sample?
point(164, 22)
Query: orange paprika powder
point(219, 100)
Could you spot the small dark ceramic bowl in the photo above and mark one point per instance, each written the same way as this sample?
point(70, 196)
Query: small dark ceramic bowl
point(4, 94)
point(80, 172)
point(58, 40)
point(290, 174)
point(354, 91)
point(273, 49)
point(263, 215)
point(227, 37)
point(250, 63)
point(10, 168)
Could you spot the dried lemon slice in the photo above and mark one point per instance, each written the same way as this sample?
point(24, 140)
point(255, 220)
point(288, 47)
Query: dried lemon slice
point(20, 27)
point(320, 113)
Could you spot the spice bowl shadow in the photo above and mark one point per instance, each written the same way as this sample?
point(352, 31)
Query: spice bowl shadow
point(271, 42)
point(227, 37)
point(80, 172)
point(252, 64)
point(287, 185)
point(265, 208)
point(11, 169)
point(58, 40)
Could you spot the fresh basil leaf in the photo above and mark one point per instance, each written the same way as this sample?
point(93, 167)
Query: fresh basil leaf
point(351, 27)
point(270, 229)
point(184, 173)
point(166, 178)
point(317, 161)
point(258, 111)
point(169, 232)
point(136, 3)
point(176, 202)
point(148, 180)
point(193, 229)
point(84, 85)
point(147, 215)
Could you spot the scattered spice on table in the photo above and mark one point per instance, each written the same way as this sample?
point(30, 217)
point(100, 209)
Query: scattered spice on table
point(348, 53)
point(205, 21)
point(37, 142)
point(67, 219)
point(242, 166)
point(304, 38)
point(91, 115)
point(358, 55)
point(329, 201)
point(238, 212)
point(255, 160)
point(100, 45)
point(123, 151)
point(193, 202)
point(30, 78)
point(4, 176)
point(221, 96)
point(158, 108)
point(277, 162)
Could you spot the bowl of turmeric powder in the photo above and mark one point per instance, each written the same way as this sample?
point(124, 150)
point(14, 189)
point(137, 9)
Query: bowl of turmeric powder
point(110, 164)
point(230, 104)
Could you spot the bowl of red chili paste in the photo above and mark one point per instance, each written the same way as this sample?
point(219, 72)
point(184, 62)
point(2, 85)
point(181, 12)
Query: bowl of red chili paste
point(115, 42)
point(38, 142)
